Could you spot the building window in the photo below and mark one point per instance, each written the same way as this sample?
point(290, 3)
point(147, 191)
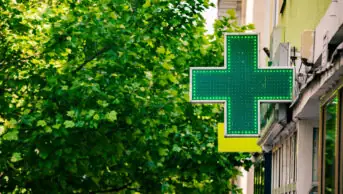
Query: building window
point(330, 145)
point(284, 166)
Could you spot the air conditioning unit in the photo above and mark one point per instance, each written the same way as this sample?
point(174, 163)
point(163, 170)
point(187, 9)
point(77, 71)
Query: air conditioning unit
point(307, 43)
point(282, 55)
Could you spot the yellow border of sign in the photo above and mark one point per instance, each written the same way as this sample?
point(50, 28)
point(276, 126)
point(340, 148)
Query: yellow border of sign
point(236, 144)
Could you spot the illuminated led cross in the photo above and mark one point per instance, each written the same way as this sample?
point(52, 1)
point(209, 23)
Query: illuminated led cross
point(241, 85)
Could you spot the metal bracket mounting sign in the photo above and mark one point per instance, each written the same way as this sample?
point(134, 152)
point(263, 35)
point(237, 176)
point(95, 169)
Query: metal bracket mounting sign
point(241, 85)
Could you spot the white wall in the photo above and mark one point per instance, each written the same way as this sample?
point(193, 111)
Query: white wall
point(304, 155)
point(328, 26)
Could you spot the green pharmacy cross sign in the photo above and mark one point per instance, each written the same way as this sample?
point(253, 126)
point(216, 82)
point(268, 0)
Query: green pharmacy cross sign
point(241, 85)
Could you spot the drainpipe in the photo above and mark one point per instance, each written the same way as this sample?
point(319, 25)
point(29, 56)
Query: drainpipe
point(267, 172)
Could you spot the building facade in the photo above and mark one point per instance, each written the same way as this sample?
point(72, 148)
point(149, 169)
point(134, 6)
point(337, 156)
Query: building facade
point(304, 137)
point(302, 140)
point(238, 5)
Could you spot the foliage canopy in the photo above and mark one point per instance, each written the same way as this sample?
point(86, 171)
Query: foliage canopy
point(94, 98)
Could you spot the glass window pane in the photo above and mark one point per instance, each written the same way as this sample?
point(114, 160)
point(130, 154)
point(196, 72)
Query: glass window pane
point(330, 139)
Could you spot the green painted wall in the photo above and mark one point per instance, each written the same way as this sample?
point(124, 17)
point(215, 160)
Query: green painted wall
point(300, 15)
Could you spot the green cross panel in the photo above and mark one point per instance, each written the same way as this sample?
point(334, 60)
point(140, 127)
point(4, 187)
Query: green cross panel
point(241, 85)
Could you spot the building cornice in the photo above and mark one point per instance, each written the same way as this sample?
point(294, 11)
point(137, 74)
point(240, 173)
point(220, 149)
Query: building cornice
point(306, 105)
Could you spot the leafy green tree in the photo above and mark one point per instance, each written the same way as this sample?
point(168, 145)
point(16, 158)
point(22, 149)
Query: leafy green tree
point(94, 98)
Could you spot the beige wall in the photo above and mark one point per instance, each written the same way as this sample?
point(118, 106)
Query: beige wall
point(261, 20)
point(246, 181)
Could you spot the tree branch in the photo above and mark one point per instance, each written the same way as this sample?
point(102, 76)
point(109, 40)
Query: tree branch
point(100, 52)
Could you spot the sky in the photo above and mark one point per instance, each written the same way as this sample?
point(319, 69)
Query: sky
point(210, 15)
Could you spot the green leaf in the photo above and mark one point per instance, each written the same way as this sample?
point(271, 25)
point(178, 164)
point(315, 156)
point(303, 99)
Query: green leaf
point(161, 50)
point(162, 151)
point(111, 116)
point(69, 124)
point(91, 113)
point(167, 66)
point(71, 113)
point(41, 123)
point(96, 117)
point(11, 135)
point(80, 124)
point(210, 145)
point(11, 123)
point(43, 155)
point(16, 157)
point(48, 129)
point(96, 180)
point(231, 13)
point(102, 103)
point(147, 4)
point(56, 126)
point(176, 148)
point(172, 79)
point(128, 120)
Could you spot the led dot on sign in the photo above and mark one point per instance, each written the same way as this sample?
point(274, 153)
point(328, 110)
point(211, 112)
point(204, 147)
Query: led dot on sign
point(241, 84)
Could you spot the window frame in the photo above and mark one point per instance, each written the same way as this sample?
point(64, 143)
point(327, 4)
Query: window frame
point(315, 156)
point(284, 165)
point(338, 187)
